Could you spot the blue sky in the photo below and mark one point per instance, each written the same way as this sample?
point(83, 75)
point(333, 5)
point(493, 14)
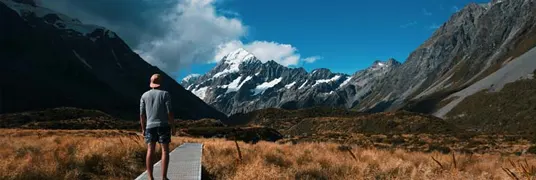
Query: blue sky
point(348, 35)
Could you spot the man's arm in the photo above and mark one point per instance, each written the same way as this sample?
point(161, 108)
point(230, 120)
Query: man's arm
point(171, 120)
point(143, 118)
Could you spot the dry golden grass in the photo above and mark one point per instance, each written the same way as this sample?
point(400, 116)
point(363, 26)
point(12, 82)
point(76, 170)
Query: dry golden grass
point(99, 154)
point(71, 154)
point(328, 161)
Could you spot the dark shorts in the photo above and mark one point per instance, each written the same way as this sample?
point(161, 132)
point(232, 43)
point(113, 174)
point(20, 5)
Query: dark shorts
point(160, 134)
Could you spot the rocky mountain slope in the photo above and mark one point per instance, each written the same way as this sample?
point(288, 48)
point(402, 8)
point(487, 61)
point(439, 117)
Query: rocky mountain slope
point(242, 83)
point(49, 60)
point(476, 42)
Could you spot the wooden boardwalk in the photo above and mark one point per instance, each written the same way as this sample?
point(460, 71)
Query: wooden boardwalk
point(184, 163)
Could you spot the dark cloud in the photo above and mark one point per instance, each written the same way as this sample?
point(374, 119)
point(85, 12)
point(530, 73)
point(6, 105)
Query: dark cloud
point(134, 20)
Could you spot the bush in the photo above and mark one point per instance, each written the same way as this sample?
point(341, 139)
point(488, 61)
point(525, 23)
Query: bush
point(311, 174)
point(277, 159)
point(439, 148)
point(532, 149)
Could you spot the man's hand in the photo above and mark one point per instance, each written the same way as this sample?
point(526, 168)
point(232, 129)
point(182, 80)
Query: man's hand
point(142, 123)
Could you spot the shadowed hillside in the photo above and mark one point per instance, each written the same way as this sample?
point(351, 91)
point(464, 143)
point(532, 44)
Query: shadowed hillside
point(50, 60)
point(380, 123)
point(284, 118)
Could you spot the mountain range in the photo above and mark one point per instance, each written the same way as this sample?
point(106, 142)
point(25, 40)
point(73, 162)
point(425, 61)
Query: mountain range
point(50, 60)
point(481, 47)
point(241, 83)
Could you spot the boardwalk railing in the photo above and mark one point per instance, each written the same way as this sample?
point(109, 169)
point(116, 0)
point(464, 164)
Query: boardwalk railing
point(184, 164)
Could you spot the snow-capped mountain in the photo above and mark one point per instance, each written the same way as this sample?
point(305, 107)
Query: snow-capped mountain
point(241, 83)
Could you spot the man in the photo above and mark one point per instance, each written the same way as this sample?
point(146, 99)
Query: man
point(155, 110)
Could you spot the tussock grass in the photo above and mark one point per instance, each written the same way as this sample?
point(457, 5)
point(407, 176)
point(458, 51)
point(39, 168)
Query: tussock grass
point(71, 154)
point(113, 154)
point(332, 161)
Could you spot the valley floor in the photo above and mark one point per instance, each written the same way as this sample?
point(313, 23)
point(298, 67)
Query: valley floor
point(116, 154)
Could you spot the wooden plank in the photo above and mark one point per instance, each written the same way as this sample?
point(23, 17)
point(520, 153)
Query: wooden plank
point(184, 163)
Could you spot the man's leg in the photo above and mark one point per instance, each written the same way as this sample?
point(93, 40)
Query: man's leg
point(150, 139)
point(164, 140)
point(165, 160)
point(149, 159)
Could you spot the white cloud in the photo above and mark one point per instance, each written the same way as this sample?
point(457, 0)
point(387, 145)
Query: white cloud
point(455, 8)
point(312, 59)
point(426, 12)
point(408, 24)
point(284, 54)
point(433, 26)
point(174, 34)
point(195, 30)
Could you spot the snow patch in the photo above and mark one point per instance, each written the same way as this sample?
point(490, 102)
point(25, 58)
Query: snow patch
point(329, 93)
point(346, 82)
point(234, 59)
point(236, 84)
point(225, 71)
point(201, 92)
point(233, 86)
point(244, 81)
point(266, 85)
point(288, 86)
point(238, 56)
point(334, 78)
point(110, 34)
point(116, 60)
point(82, 59)
point(303, 85)
point(190, 77)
